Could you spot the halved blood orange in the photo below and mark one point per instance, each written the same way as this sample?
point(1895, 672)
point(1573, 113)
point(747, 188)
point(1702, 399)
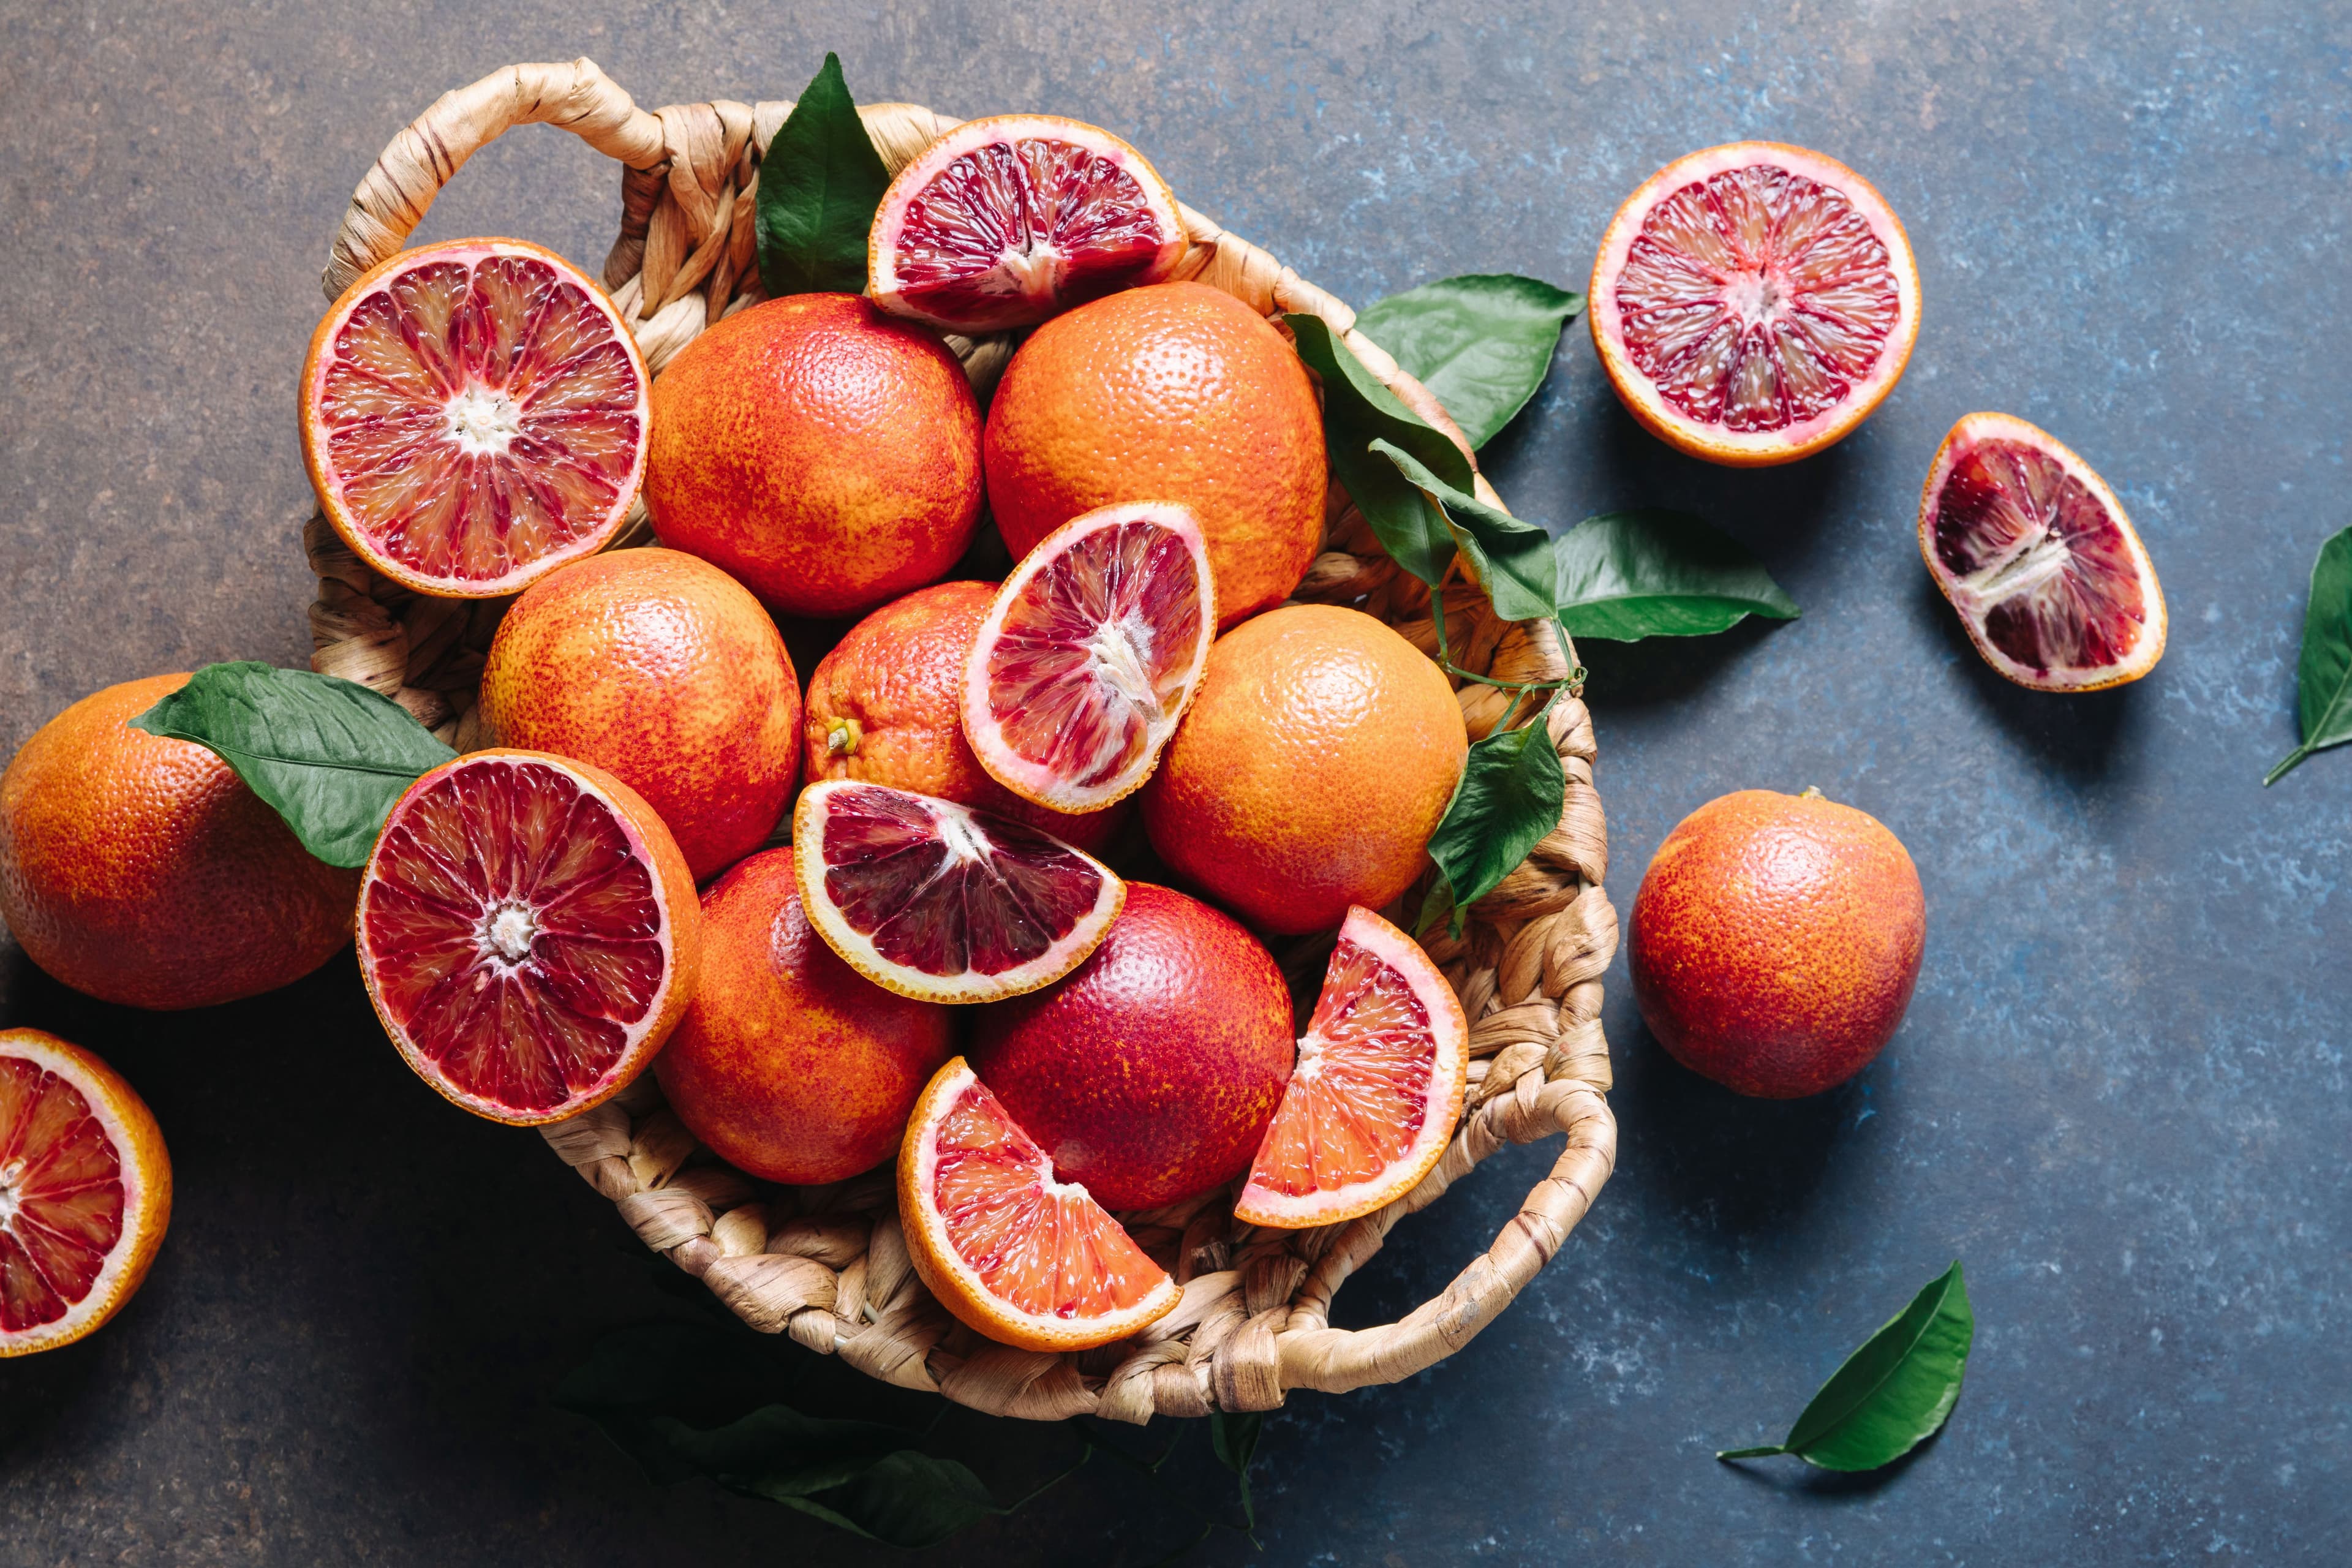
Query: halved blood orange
point(1090, 655)
point(2034, 551)
point(938, 900)
point(85, 1191)
point(1752, 303)
point(1024, 1258)
point(474, 414)
point(1376, 1091)
point(1005, 221)
point(529, 933)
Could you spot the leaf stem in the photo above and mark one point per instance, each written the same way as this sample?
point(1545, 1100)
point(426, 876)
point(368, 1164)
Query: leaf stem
point(1764, 1453)
point(2293, 760)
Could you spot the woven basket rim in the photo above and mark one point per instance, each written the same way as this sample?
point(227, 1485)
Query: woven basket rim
point(829, 1265)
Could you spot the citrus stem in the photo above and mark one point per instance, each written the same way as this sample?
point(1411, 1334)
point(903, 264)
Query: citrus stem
point(1573, 682)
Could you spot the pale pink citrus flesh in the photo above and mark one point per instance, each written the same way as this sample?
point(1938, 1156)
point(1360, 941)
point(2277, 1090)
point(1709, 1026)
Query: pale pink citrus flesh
point(514, 936)
point(62, 1197)
point(1089, 655)
point(480, 413)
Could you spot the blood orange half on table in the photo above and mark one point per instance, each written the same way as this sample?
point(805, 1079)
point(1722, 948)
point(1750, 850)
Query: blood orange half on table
point(474, 414)
point(1752, 303)
point(1089, 655)
point(85, 1191)
point(2035, 553)
point(939, 901)
point(529, 933)
point(1005, 221)
point(1025, 1259)
point(1381, 1072)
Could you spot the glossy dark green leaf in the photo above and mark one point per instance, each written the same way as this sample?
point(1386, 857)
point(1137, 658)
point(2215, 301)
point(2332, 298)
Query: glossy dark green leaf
point(1483, 343)
point(1234, 1438)
point(2322, 676)
point(1632, 574)
point(1512, 558)
point(820, 181)
point(1893, 1393)
point(1509, 797)
point(330, 755)
point(908, 1499)
point(1357, 411)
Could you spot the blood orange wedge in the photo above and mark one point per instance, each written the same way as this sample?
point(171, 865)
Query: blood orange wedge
point(474, 414)
point(529, 933)
point(1024, 1258)
point(936, 900)
point(1753, 302)
point(1090, 655)
point(1005, 221)
point(1377, 1090)
point(85, 1191)
point(2036, 554)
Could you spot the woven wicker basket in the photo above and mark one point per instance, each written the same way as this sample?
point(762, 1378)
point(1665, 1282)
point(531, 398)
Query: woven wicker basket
point(828, 1265)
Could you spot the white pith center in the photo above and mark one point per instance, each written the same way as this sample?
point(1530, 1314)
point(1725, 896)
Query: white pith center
point(483, 420)
point(1031, 272)
point(11, 1199)
point(1117, 650)
point(1754, 297)
point(2032, 564)
point(508, 931)
point(1310, 1059)
point(960, 837)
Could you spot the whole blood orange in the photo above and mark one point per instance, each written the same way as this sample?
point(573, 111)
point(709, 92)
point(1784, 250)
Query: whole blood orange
point(789, 1064)
point(1318, 756)
point(662, 670)
point(885, 705)
point(1176, 392)
point(826, 455)
point(1150, 1074)
point(85, 1191)
point(1752, 303)
point(140, 870)
point(1775, 940)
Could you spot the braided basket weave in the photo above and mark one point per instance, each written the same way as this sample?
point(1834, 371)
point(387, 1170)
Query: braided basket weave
point(828, 1265)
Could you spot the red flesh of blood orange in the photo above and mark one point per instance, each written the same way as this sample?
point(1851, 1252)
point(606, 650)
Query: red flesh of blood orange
point(936, 900)
point(1005, 221)
point(1376, 1091)
point(2035, 553)
point(529, 933)
point(1090, 655)
point(473, 415)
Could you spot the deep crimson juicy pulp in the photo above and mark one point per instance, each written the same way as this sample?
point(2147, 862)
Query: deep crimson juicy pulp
point(2035, 539)
point(1756, 299)
point(937, 896)
point(1020, 204)
point(60, 1195)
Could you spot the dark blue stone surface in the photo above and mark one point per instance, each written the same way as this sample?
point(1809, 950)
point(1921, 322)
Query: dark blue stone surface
point(2120, 1094)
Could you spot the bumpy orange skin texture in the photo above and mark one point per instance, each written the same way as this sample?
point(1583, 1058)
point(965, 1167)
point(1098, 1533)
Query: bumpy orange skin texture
point(826, 455)
point(665, 671)
point(1776, 941)
point(1150, 1073)
point(1176, 392)
point(789, 1064)
point(139, 870)
point(1315, 763)
point(898, 677)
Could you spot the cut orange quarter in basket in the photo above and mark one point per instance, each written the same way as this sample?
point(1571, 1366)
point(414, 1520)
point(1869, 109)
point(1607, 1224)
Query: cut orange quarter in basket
point(1090, 655)
point(474, 415)
point(1378, 1089)
point(1024, 1258)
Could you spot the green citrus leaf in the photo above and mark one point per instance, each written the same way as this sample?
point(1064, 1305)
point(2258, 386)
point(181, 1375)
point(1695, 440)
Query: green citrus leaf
point(1510, 795)
point(2322, 677)
point(820, 181)
point(1513, 558)
point(330, 755)
point(1235, 1439)
point(1483, 343)
point(1628, 575)
point(1893, 1393)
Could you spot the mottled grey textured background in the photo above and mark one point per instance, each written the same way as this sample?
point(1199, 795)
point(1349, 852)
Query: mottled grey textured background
point(2120, 1095)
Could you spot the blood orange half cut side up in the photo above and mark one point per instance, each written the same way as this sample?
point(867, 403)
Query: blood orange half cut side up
point(529, 933)
point(2035, 553)
point(1090, 655)
point(1027, 1261)
point(1005, 221)
point(936, 900)
point(1376, 1091)
point(1752, 303)
point(85, 1191)
point(474, 414)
